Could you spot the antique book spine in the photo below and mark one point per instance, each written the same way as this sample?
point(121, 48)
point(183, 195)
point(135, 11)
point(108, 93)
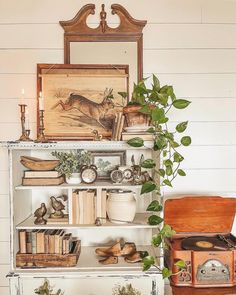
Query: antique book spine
point(46, 241)
point(41, 174)
point(34, 241)
point(22, 241)
point(81, 207)
point(40, 247)
point(51, 247)
point(28, 242)
point(43, 181)
point(75, 200)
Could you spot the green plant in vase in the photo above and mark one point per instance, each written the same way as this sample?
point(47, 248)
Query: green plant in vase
point(156, 103)
point(70, 164)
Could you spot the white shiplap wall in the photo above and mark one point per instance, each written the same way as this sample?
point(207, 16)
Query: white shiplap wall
point(189, 44)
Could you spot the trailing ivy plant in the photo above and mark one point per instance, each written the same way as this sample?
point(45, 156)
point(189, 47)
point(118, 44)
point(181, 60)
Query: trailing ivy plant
point(157, 102)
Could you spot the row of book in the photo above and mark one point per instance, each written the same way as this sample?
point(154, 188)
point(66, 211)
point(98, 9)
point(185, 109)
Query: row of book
point(42, 178)
point(87, 206)
point(118, 126)
point(41, 241)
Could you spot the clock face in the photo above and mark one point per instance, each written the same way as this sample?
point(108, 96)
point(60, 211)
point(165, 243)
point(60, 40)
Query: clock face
point(89, 175)
point(128, 174)
point(116, 176)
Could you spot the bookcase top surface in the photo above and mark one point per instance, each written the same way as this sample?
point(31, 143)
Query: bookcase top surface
point(89, 145)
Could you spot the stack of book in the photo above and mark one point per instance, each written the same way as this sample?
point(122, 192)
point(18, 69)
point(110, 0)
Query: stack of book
point(118, 126)
point(42, 178)
point(41, 241)
point(137, 131)
point(87, 206)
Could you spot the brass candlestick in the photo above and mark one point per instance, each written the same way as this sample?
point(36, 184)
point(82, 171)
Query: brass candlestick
point(24, 133)
point(41, 136)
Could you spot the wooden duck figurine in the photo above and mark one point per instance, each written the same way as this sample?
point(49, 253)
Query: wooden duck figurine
point(39, 214)
point(58, 207)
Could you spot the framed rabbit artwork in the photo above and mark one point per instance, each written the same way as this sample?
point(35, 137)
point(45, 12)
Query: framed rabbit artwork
point(79, 100)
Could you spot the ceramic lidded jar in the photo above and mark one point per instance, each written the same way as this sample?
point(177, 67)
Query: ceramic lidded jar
point(121, 206)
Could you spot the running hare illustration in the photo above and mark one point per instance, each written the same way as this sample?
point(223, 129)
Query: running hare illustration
point(89, 108)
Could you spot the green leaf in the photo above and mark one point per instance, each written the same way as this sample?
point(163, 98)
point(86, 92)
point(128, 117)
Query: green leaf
point(186, 140)
point(160, 143)
point(167, 231)
point(167, 182)
point(178, 158)
point(169, 170)
point(181, 172)
point(148, 261)
point(148, 187)
point(154, 206)
point(155, 220)
point(168, 163)
point(174, 144)
point(136, 142)
point(151, 130)
point(157, 114)
point(145, 110)
point(156, 240)
point(181, 103)
point(166, 273)
point(156, 82)
point(122, 94)
point(164, 153)
point(162, 172)
point(181, 127)
point(146, 267)
point(181, 264)
point(149, 163)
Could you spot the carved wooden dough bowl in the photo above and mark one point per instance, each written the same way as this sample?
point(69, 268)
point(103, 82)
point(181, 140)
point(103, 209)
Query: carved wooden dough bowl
point(37, 164)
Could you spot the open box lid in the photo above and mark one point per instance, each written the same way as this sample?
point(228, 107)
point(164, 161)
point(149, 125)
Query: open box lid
point(201, 214)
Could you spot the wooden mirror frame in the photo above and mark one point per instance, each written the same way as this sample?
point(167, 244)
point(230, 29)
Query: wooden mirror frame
point(129, 30)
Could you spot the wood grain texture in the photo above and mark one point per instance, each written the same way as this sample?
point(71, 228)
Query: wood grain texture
point(203, 291)
point(202, 214)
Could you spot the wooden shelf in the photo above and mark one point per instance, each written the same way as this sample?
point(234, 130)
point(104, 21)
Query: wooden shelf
point(88, 264)
point(88, 145)
point(97, 184)
point(140, 221)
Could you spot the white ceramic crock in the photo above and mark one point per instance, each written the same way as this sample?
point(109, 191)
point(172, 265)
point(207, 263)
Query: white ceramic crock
point(121, 206)
point(74, 179)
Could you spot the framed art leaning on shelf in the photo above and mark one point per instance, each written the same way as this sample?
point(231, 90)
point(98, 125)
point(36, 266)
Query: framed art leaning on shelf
point(79, 99)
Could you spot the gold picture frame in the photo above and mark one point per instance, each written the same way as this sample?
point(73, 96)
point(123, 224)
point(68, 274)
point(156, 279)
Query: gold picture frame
point(79, 99)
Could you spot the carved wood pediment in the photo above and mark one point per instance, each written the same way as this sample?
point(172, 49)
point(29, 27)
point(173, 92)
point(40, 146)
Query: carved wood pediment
point(78, 25)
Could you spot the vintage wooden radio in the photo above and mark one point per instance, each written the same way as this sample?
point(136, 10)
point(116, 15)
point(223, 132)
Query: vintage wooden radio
point(203, 240)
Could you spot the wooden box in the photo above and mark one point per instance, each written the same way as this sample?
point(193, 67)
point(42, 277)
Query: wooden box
point(49, 260)
point(205, 217)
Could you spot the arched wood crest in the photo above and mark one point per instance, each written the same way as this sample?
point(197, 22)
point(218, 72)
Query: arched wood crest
point(129, 30)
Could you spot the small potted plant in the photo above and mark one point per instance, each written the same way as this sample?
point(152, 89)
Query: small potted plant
point(142, 98)
point(70, 164)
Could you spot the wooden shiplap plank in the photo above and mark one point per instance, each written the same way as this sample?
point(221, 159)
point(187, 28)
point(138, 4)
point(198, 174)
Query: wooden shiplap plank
point(4, 176)
point(4, 282)
point(4, 291)
point(190, 61)
point(208, 157)
point(4, 253)
point(25, 61)
point(4, 230)
point(181, 11)
point(198, 181)
point(190, 36)
point(14, 134)
point(10, 110)
point(155, 61)
point(179, 36)
point(223, 11)
point(211, 133)
point(3, 159)
point(4, 206)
